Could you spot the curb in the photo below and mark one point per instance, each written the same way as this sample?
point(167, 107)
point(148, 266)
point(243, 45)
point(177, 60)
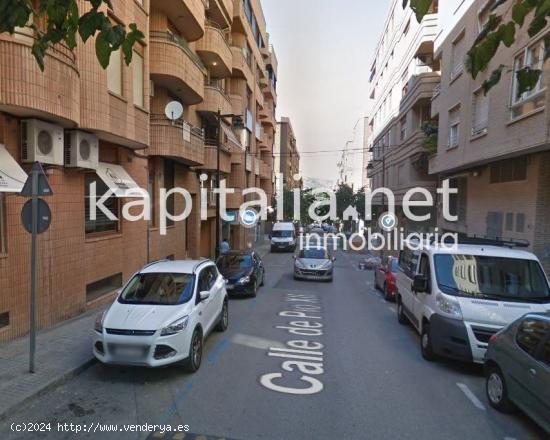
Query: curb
point(55, 383)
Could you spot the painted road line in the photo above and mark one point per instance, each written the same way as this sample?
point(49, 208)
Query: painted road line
point(255, 342)
point(471, 396)
point(391, 309)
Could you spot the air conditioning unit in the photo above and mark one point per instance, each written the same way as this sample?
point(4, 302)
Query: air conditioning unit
point(81, 150)
point(41, 142)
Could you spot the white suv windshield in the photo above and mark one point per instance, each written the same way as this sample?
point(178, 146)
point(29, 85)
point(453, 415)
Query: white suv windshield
point(506, 279)
point(165, 289)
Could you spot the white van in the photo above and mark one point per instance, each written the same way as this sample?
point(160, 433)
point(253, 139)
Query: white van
point(458, 298)
point(283, 237)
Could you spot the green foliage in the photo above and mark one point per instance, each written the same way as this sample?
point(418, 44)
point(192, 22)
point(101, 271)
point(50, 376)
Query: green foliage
point(496, 32)
point(64, 22)
point(431, 130)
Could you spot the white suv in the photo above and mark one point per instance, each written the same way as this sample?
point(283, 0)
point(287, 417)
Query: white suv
point(458, 297)
point(162, 315)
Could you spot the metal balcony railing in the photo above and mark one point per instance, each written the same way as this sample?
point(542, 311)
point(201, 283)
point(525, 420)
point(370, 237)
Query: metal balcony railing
point(182, 43)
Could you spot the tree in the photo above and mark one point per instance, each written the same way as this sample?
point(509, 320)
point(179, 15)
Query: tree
point(533, 14)
point(62, 24)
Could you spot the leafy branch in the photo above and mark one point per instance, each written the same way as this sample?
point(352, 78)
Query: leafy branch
point(62, 24)
point(497, 32)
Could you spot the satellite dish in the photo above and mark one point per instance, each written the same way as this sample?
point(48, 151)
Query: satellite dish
point(173, 110)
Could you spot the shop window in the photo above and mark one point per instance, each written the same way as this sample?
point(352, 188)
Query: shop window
point(101, 223)
point(509, 170)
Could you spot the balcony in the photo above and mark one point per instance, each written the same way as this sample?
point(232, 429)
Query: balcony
point(215, 52)
point(211, 159)
point(215, 98)
point(419, 87)
point(175, 66)
point(26, 91)
point(270, 92)
point(187, 15)
point(267, 114)
point(221, 11)
point(177, 140)
point(241, 65)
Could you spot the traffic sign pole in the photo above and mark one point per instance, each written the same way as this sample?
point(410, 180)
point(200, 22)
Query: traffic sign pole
point(34, 232)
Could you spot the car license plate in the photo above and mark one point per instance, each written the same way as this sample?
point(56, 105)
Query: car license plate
point(129, 352)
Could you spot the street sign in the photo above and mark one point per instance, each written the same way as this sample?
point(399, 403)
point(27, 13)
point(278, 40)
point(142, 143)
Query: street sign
point(44, 218)
point(44, 188)
point(36, 217)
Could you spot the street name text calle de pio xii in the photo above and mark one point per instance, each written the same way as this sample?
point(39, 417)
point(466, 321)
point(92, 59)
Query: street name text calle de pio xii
point(304, 359)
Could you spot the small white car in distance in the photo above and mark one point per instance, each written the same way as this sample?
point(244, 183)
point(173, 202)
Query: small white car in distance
point(162, 315)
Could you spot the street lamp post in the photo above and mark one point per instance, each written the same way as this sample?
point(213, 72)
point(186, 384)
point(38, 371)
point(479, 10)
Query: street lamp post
point(238, 123)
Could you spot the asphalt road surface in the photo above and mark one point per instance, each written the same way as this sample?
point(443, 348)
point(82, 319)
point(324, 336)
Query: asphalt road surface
point(363, 378)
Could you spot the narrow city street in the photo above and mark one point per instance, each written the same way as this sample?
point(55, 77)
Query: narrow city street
point(375, 383)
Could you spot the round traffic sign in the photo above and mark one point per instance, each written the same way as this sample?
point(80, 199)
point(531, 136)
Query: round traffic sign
point(44, 216)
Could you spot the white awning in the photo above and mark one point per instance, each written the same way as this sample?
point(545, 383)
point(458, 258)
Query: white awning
point(231, 138)
point(118, 180)
point(12, 176)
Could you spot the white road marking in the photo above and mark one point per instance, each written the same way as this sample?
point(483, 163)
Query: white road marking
point(255, 342)
point(471, 396)
point(391, 309)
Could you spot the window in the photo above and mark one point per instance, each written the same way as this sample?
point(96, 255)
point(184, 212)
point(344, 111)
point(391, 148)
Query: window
point(104, 286)
point(207, 278)
point(4, 319)
point(169, 183)
point(458, 201)
point(114, 73)
point(138, 79)
point(509, 170)
point(408, 261)
point(484, 14)
point(165, 289)
point(454, 127)
point(509, 221)
point(495, 278)
point(403, 128)
point(520, 223)
point(3, 234)
point(480, 113)
point(526, 102)
point(494, 224)
point(101, 223)
point(530, 333)
point(458, 51)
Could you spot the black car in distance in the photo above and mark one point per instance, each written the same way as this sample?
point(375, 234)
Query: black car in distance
point(244, 272)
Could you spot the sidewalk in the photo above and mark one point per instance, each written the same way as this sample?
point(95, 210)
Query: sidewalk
point(62, 352)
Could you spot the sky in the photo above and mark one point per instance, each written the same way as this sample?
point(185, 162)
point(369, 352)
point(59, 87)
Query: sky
point(324, 49)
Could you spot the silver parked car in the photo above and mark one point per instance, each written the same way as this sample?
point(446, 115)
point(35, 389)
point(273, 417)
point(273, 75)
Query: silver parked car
point(314, 263)
point(517, 368)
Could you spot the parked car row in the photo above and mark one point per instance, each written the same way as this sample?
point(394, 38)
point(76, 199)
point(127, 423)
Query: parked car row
point(166, 310)
point(479, 302)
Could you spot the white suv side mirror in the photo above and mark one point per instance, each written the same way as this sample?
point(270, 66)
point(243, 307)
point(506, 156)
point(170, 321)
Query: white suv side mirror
point(204, 295)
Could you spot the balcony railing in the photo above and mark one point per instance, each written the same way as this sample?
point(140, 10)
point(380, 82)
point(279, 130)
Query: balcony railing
point(182, 43)
point(187, 128)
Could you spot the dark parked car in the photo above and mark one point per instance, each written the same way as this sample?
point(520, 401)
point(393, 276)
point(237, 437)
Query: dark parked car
point(384, 277)
point(517, 368)
point(244, 272)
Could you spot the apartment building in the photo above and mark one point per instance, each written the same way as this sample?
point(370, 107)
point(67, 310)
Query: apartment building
point(402, 78)
point(494, 148)
point(288, 156)
point(110, 127)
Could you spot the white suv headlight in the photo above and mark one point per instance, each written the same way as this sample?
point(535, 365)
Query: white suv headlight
point(176, 327)
point(449, 306)
point(98, 327)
